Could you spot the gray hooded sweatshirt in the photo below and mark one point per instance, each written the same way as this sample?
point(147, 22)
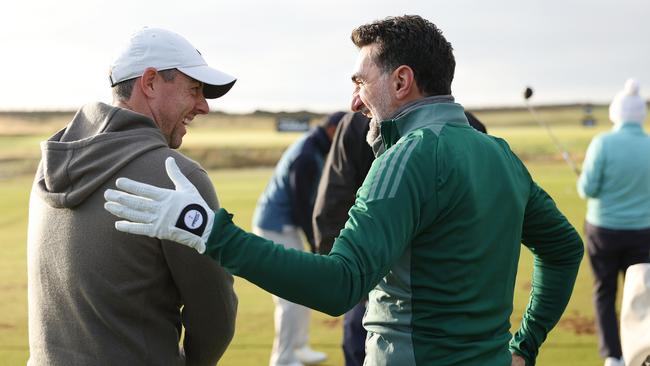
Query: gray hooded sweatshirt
point(101, 297)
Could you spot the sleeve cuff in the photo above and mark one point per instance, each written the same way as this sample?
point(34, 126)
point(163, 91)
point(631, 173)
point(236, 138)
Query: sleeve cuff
point(222, 220)
point(514, 348)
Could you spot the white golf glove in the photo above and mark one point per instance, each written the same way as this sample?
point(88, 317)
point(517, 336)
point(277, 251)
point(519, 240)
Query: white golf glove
point(179, 215)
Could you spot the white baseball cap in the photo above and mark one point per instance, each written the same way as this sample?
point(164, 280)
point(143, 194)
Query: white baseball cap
point(164, 50)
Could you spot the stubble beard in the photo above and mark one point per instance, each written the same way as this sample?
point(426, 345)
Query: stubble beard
point(380, 114)
point(373, 131)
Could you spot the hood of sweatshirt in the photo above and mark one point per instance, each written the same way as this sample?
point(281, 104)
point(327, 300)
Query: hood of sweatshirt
point(98, 142)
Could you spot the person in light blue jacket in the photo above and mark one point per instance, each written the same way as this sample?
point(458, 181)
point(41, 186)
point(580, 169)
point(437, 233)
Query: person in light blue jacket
point(615, 180)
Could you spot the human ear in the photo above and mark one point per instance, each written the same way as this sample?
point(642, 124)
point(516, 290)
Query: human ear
point(404, 81)
point(147, 81)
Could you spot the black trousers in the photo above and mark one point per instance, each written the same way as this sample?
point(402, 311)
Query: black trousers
point(610, 253)
point(354, 335)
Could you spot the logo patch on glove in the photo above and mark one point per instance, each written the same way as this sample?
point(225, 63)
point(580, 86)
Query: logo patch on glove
point(193, 219)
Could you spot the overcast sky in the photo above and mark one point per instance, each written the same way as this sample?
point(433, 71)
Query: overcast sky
point(293, 55)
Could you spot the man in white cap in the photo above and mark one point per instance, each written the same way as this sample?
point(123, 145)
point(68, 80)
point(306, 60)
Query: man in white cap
point(100, 297)
point(615, 180)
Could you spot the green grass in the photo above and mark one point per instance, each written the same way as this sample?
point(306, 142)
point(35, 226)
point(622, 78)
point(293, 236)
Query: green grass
point(229, 141)
point(238, 191)
point(552, 115)
point(534, 143)
point(240, 137)
point(571, 343)
point(13, 271)
point(223, 146)
point(564, 345)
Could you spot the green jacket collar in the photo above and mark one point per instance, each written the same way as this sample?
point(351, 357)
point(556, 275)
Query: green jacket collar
point(433, 116)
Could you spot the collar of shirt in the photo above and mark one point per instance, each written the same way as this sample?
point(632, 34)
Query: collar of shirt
point(633, 127)
point(432, 113)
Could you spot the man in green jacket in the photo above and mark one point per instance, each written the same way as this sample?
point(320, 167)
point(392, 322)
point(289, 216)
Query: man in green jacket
point(434, 234)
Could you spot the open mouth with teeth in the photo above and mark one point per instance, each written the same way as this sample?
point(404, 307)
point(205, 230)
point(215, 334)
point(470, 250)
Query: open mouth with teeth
point(366, 112)
point(358, 106)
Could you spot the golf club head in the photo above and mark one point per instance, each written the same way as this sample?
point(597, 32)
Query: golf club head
point(528, 93)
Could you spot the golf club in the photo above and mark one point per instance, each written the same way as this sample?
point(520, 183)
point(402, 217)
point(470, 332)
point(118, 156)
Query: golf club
point(565, 154)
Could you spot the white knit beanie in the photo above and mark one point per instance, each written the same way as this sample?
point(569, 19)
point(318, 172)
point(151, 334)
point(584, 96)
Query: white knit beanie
point(628, 106)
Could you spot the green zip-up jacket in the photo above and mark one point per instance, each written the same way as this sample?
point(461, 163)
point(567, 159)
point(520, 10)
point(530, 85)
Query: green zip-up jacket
point(434, 236)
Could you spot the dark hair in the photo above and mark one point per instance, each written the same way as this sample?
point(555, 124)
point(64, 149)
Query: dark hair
point(122, 90)
point(413, 41)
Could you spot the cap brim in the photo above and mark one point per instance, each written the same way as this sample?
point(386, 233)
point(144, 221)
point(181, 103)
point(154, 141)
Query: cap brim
point(215, 83)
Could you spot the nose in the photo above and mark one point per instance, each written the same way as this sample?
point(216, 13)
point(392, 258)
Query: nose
point(356, 104)
point(201, 106)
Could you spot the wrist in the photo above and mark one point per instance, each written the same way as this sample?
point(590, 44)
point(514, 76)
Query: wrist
point(208, 228)
point(217, 225)
point(527, 359)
